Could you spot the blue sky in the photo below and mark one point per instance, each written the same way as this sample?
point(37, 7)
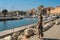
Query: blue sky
point(26, 4)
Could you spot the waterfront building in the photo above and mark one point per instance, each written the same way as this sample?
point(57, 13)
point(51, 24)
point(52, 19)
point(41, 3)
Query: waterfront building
point(56, 11)
point(48, 10)
point(13, 13)
point(53, 11)
point(29, 12)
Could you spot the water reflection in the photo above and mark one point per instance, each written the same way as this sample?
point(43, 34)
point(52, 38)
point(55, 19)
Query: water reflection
point(4, 25)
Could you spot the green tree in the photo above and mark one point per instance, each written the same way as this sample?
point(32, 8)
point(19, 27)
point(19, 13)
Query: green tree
point(41, 7)
point(4, 11)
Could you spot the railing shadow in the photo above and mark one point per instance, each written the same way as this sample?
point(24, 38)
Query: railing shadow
point(49, 39)
point(47, 28)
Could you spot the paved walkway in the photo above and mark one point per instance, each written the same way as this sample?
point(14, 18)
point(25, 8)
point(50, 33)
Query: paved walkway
point(51, 34)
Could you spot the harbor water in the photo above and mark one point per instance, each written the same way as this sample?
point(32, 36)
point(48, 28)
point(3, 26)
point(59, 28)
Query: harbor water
point(6, 25)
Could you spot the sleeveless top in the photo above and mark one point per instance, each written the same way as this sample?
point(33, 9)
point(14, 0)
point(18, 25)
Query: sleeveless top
point(40, 22)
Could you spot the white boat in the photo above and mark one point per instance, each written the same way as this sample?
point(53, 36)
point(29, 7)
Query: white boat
point(35, 16)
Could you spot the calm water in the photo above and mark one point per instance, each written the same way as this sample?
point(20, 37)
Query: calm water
point(5, 25)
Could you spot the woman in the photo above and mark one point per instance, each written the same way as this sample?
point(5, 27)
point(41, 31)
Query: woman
point(40, 26)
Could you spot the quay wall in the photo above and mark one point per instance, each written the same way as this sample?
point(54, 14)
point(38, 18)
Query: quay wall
point(10, 31)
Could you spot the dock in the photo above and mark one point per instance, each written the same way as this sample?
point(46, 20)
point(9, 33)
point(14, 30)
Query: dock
point(11, 18)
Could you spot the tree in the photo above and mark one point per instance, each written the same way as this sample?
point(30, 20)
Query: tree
point(4, 12)
point(48, 10)
point(41, 7)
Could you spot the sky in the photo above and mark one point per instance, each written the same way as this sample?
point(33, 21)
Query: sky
point(26, 4)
